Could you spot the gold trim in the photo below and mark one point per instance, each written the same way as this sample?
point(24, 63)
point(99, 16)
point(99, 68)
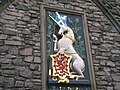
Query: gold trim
point(73, 40)
point(71, 53)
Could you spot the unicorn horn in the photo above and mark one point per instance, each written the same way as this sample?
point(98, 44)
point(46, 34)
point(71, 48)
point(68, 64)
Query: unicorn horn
point(54, 20)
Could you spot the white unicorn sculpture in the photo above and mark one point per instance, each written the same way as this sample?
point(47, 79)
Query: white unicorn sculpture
point(65, 44)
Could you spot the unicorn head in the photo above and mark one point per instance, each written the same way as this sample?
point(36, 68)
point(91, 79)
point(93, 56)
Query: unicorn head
point(62, 29)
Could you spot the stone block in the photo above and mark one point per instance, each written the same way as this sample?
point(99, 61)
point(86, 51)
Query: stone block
point(18, 62)
point(19, 78)
point(34, 21)
point(96, 24)
point(21, 23)
point(26, 18)
point(115, 51)
point(74, 3)
point(34, 66)
point(8, 17)
point(33, 12)
point(9, 72)
point(4, 49)
point(117, 86)
point(106, 54)
point(35, 8)
point(99, 73)
point(103, 49)
point(26, 51)
point(110, 63)
point(34, 15)
point(116, 77)
point(96, 42)
point(107, 45)
point(28, 84)
point(37, 86)
point(94, 29)
point(13, 50)
point(21, 26)
point(9, 56)
point(69, 6)
point(36, 77)
point(93, 8)
point(102, 82)
point(37, 60)
point(19, 84)
point(29, 42)
point(94, 47)
point(36, 80)
point(5, 61)
point(37, 73)
point(28, 59)
point(23, 7)
point(26, 31)
point(15, 14)
point(107, 38)
point(7, 66)
point(15, 43)
point(3, 37)
point(101, 57)
point(37, 54)
point(15, 38)
point(107, 71)
point(37, 44)
point(103, 62)
point(10, 31)
point(115, 70)
point(25, 72)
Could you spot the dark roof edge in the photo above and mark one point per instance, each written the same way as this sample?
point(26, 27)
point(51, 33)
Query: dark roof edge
point(5, 4)
point(108, 14)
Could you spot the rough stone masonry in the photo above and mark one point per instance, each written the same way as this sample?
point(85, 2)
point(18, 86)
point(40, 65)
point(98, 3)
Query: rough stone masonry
point(20, 53)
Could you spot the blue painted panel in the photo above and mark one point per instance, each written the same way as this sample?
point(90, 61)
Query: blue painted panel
point(75, 22)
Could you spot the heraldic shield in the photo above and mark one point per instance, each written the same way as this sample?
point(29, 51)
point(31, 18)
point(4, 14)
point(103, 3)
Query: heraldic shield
point(60, 66)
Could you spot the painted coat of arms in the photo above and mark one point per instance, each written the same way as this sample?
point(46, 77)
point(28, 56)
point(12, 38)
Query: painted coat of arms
point(66, 63)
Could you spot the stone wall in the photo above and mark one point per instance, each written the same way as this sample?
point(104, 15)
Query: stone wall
point(114, 8)
point(20, 63)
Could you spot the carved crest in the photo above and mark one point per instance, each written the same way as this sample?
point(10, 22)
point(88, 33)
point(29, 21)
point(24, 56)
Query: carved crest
point(60, 65)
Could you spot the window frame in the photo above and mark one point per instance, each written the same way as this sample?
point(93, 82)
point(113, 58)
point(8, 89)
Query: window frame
point(43, 9)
